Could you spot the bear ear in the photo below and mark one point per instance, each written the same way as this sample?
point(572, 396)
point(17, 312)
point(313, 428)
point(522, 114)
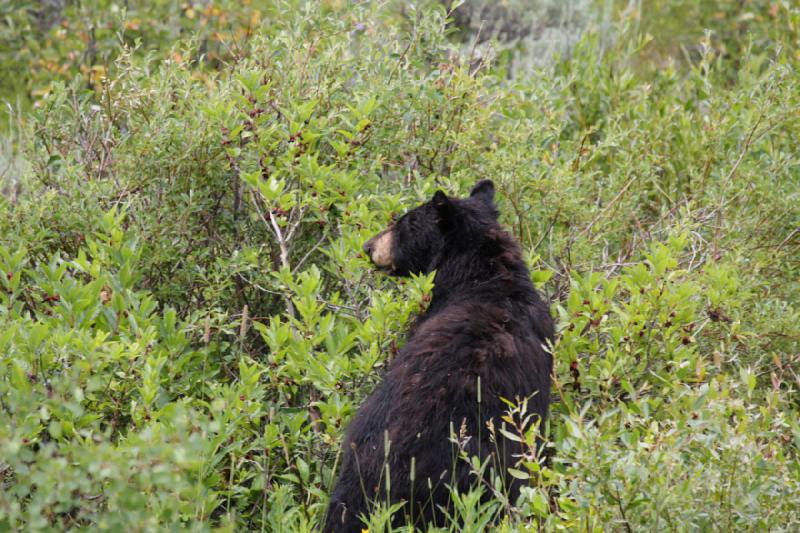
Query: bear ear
point(444, 209)
point(484, 190)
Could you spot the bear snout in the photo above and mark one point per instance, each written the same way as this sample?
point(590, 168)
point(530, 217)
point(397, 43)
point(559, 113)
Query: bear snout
point(368, 246)
point(379, 249)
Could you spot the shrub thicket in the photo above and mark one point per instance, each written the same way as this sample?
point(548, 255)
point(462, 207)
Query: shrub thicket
point(187, 323)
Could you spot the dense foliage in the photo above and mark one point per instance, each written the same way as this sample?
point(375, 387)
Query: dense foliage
point(187, 322)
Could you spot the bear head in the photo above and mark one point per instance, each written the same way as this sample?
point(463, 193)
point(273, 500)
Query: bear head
point(413, 243)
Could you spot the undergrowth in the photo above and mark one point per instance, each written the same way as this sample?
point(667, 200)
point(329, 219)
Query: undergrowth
point(187, 323)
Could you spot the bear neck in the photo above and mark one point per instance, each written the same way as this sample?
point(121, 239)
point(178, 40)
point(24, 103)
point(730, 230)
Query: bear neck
point(468, 270)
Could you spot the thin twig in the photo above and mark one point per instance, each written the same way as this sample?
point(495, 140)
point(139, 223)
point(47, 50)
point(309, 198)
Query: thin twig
point(312, 250)
point(284, 250)
point(746, 147)
point(608, 207)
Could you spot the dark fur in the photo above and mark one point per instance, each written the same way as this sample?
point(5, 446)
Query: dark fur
point(485, 319)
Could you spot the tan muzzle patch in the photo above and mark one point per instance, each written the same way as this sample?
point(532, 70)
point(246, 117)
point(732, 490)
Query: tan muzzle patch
point(379, 249)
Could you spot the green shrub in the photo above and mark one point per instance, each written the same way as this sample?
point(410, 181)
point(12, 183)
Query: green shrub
point(187, 322)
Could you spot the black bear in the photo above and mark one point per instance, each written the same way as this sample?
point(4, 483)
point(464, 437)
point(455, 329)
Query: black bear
point(485, 326)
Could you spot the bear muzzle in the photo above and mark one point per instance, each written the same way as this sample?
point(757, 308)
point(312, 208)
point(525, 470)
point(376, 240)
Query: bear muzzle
point(379, 249)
